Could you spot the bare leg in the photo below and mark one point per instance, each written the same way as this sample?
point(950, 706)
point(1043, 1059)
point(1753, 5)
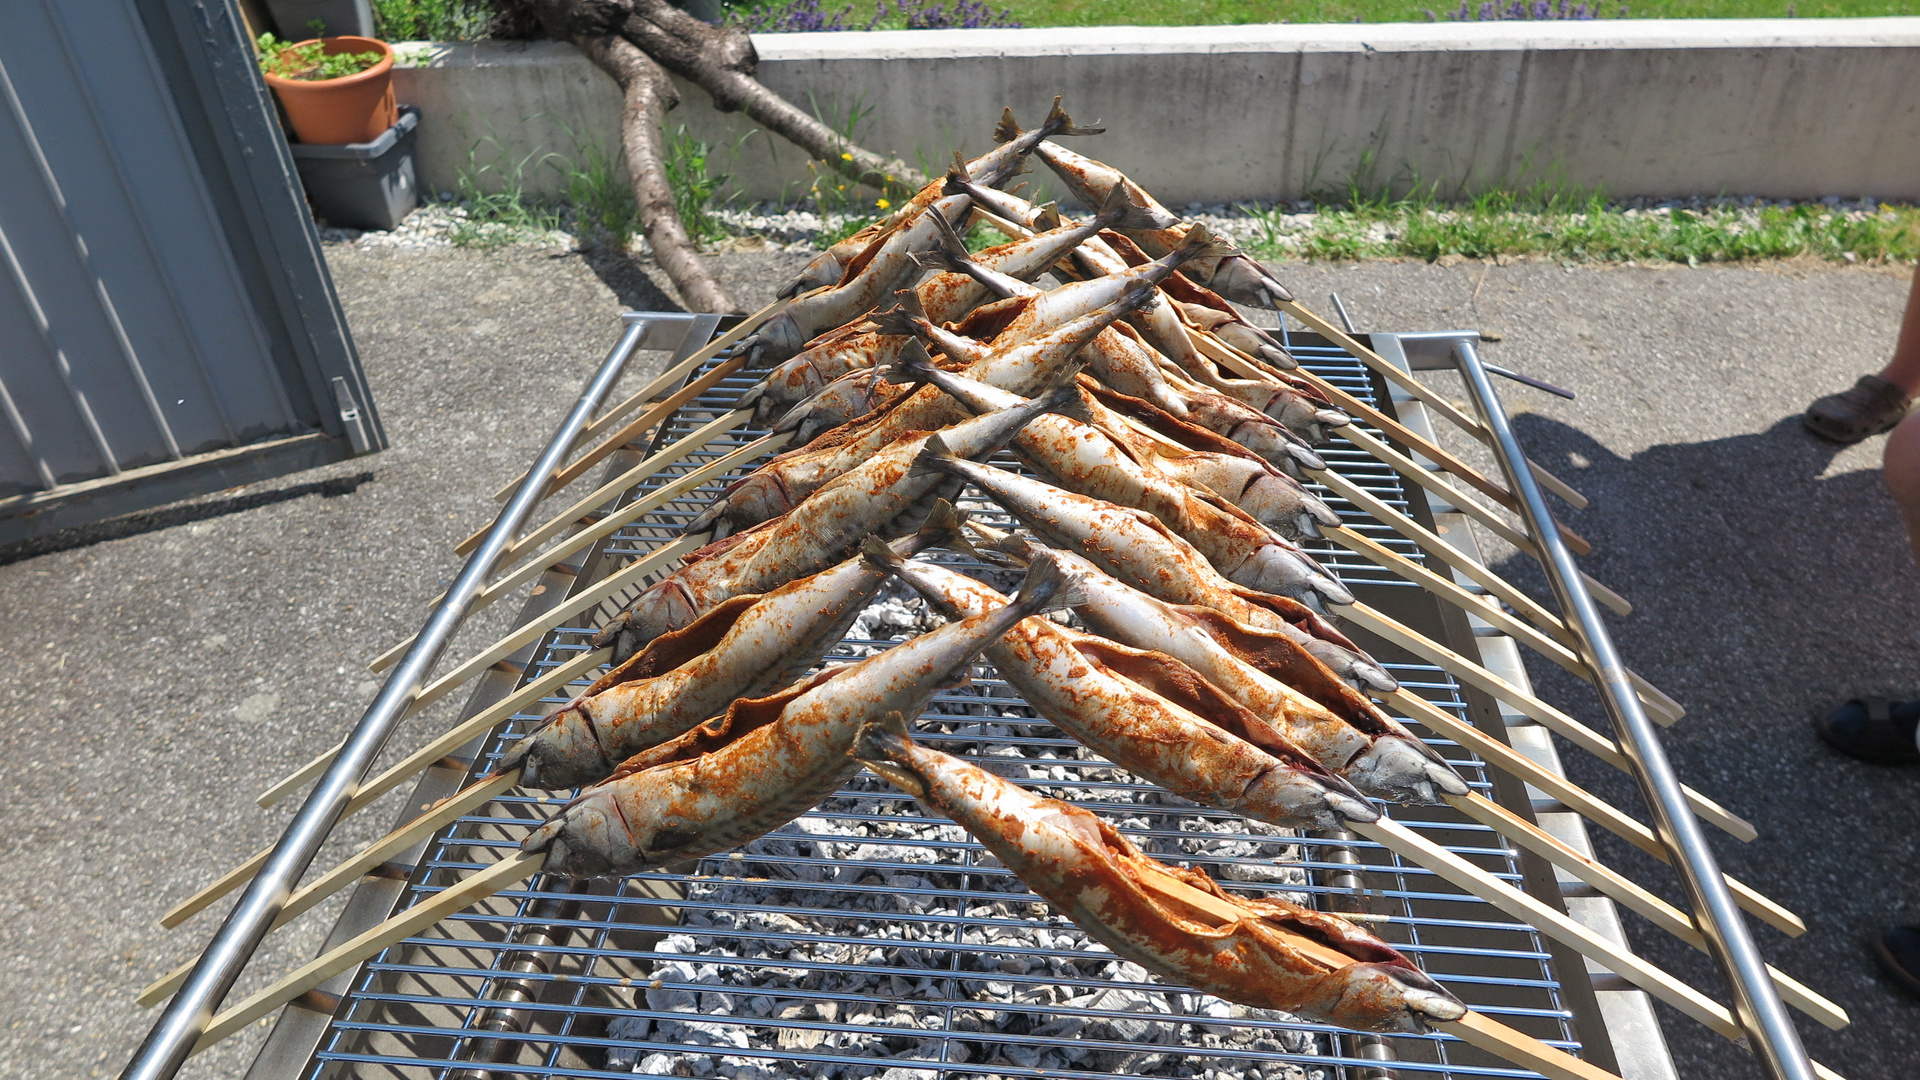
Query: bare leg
point(1902, 470)
point(1877, 402)
point(1903, 370)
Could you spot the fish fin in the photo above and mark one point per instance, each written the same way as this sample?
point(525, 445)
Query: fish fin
point(881, 744)
point(898, 320)
point(1049, 586)
point(1008, 129)
point(1201, 244)
point(1113, 207)
point(1047, 218)
point(934, 458)
point(945, 526)
point(875, 555)
point(937, 261)
point(958, 178)
point(950, 240)
point(1059, 123)
point(706, 519)
point(913, 365)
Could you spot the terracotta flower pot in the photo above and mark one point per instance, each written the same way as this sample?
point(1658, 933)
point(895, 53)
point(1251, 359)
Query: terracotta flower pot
point(354, 108)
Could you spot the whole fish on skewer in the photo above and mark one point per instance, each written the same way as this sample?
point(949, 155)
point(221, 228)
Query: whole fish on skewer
point(942, 298)
point(770, 759)
point(1233, 274)
point(996, 166)
point(748, 646)
point(1082, 458)
point(1271, 954)
point(1135, 547)
point(1149, 713)
point(883, 268)
point(819, 532)
point(790, 478)
point(1270, 673)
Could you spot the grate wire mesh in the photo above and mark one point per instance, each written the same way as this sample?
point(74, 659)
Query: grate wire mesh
point(867, 939)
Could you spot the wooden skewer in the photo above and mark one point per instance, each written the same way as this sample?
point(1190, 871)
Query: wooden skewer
point(1478, 1028)
point(663, 382)
point(1427, 397)
point(380, 851)
point(439, 748)
point(1625, 892)
point(1593, 808)
point(1659, 706)
point(639, 426)
point(514, 868)
point(1566, 726)
point(613, 522)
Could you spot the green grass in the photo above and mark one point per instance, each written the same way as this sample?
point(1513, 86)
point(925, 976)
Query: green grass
point(1550, 224)
point(431, 20)
point(1202, 12)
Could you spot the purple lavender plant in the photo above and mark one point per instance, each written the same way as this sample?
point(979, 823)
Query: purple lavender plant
point(810, 16)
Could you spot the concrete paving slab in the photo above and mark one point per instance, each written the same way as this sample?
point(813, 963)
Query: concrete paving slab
point(165, 667)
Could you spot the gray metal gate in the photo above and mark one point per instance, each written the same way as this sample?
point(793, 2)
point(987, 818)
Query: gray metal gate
point(167, 325)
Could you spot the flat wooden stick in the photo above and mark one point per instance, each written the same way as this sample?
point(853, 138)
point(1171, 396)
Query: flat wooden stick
point(1481, 1030)
point(1490, 1035)
point(1426, 395)
point(639, 426)
point(1615, 958)
point(615, 521)
point(1628, 894)
point(440, 747)
point(353, 869)
point(1659, 706)
point(514, 868)
point(1566, 726)
point(1226, 355)
point(663, 382)
point(1592, 807)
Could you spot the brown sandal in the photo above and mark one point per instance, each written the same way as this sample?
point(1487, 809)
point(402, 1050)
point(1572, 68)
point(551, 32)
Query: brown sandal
point(1873, 405)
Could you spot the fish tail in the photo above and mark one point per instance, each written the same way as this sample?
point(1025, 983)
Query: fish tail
point(1059, 123)
point(945, 526)
point(875, 555)
point(958, 178)
point(1047, 218)
point(1008, 129)
point(1049, 586)
point(1141, 214)
point(1201, 244)
point(934, 459)
point(950, 241)
point(898, 320)
point(936, 261)
point(913, 366)
point(882, 746)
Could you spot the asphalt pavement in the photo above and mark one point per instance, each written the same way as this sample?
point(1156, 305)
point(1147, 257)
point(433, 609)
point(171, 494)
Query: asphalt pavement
point(169, 665)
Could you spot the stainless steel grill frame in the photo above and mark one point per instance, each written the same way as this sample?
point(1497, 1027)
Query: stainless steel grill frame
point(526, 983)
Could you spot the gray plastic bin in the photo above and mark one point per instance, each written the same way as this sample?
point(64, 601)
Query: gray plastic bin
point(368, 185)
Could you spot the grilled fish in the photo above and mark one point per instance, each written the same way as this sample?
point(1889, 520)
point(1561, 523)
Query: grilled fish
point(819, 532)
point(1149, 713)
point(1272, 955)
point(768, 759)
point(748, 646)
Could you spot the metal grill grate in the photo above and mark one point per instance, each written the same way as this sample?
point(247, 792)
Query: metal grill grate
point(869, 940)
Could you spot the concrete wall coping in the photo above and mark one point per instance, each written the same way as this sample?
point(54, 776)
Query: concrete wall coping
point(1893, 31)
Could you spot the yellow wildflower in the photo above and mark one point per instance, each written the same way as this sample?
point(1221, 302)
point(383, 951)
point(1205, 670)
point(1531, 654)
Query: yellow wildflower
point(882, 203)
point(844, 156)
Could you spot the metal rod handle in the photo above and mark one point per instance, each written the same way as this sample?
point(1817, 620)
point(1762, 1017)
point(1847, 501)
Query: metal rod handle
point(1757, 1005)
point(171, 1040)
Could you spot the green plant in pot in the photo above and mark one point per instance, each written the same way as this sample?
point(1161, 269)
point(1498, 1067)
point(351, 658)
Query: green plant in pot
point(335, 89)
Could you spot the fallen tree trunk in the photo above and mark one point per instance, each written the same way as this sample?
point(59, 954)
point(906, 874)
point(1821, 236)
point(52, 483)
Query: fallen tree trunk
point(637, 42)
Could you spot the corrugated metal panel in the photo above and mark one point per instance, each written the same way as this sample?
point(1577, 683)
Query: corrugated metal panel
point(130, 334)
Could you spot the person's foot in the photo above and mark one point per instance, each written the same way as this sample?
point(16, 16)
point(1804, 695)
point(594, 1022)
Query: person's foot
point(1898, 951)
point(1873, 730)
point(1873, 405)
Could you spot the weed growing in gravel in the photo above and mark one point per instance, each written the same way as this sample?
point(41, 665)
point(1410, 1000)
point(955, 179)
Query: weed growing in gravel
point(695, 186)
point(500, 208)
point(431, 20)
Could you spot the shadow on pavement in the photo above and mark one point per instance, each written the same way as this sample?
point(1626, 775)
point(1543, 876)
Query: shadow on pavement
point(166, 517)
point(1764, 589)
point(622, 274)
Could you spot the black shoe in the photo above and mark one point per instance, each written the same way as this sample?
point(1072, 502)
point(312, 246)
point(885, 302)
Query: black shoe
point(1898, 951)
point(1873, 730)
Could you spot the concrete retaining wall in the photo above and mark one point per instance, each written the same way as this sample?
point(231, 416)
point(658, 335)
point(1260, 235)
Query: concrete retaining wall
point(1788, 108)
